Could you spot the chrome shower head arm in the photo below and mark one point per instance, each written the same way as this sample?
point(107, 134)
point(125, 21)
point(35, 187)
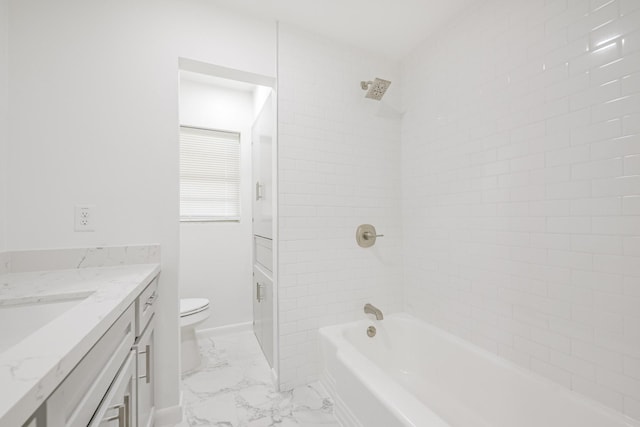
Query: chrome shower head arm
point(365, 85)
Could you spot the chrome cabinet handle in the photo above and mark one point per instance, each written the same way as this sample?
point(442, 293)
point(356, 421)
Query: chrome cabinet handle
point(127, 406)
point(147, 357)
point(259, 195)
point(259, 289)
point(121, 417)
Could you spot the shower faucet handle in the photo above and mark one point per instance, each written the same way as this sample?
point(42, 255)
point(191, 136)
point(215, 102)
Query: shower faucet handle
point(366, 235)
point(369, 235)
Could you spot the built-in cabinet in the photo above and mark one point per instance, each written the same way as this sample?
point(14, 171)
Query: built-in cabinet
point(112, 386)
point(263, 136)
point(263, 308)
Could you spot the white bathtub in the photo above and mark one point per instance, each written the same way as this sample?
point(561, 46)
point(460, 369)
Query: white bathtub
point(412, 374)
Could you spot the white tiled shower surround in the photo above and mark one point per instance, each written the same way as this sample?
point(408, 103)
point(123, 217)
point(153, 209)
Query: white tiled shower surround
point(521, 188)
point(520, 182)
point(339, 167)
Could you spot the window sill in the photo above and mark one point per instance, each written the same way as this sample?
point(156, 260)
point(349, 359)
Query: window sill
point(190, 220)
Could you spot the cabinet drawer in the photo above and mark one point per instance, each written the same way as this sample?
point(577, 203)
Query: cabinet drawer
point(74, 402)
point(145, 306)
point(264, 252)
point(119, 405)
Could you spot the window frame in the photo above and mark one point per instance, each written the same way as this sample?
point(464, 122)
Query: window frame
point(210, 218)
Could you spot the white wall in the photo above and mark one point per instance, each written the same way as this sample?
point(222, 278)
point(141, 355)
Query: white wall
point(215, 257)
point(4, 104)
point(260, 95)
point(339, 167)
point(521, 185)
point(94, 119)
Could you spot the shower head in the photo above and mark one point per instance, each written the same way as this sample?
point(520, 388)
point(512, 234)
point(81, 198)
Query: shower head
point(375, 89)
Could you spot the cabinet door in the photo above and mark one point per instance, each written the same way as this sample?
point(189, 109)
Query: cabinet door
point(262, 136)
point(118, 409)
point(263, 312)
point(146, 375)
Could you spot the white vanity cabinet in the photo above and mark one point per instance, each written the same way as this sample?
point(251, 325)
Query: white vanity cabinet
point(112, 386)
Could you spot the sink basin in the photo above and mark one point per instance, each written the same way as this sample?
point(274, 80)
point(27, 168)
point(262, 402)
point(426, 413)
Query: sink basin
point(19, 321)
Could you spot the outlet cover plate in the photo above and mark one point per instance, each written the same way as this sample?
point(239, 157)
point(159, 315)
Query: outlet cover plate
point(85, 218)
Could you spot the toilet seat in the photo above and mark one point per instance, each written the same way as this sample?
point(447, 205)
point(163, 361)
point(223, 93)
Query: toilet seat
point(191, 306)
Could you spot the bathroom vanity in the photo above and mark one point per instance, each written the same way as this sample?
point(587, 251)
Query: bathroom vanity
point(89, 360)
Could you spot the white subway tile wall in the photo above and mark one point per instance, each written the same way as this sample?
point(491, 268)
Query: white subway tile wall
point(339, 167)
point(521, 188)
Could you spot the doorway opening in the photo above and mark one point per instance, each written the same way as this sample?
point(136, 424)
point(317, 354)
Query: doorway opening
point(228, 203)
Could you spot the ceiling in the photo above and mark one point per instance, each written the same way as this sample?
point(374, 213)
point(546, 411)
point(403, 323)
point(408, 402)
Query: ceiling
point(389, 27)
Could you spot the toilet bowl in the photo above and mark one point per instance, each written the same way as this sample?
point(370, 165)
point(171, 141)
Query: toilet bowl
point(193, 311)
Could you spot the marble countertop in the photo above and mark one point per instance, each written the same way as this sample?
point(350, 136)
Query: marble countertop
point(31, 369)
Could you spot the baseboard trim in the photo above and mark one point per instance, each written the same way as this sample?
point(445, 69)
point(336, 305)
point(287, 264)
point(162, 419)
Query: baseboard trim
point(225, 330)
point(170, 416)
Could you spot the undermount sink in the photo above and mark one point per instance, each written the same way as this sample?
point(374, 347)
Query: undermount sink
point(18, 321)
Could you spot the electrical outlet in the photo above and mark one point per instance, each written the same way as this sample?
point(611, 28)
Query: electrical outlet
point(85, 218)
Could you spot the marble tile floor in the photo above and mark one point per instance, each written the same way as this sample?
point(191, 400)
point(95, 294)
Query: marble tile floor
point(233, 388)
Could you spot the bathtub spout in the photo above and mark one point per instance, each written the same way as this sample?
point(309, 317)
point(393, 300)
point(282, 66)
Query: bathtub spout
point(369, 309)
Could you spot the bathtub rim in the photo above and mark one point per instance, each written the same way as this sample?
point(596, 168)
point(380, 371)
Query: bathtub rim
point(334, 334)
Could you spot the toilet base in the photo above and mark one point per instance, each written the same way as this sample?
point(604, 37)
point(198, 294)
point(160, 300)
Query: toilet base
point(189, 349)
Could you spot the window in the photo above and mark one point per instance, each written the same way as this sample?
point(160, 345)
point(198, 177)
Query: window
point(209, 175)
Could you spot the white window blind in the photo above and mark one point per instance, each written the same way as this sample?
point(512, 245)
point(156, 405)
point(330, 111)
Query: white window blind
point(209, 175)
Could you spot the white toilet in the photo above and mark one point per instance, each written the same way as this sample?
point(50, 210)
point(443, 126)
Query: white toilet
point(193, 311)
